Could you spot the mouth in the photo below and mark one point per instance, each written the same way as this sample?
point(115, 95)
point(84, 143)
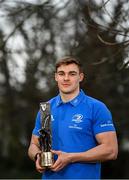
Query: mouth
point(65, 85)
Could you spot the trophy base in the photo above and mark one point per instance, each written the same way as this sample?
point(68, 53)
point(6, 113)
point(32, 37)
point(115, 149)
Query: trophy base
point(46, 159)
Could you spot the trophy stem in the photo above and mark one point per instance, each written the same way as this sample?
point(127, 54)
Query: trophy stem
point(45, 138)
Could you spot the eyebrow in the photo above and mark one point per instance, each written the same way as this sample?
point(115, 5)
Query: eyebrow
point(68, 72)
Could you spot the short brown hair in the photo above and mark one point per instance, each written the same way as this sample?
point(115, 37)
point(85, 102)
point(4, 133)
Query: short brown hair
point(69, 60)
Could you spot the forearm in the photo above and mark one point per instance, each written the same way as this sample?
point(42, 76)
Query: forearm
point(33, 150)
point(107, 149)
point(98, 154)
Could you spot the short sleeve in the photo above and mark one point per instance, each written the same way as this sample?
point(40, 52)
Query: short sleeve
point(37, 125)
point(102, 119)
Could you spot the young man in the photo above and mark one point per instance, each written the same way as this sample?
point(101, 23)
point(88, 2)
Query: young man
point(83, 133)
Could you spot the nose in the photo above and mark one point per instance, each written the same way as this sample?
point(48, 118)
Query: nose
point(66, 77)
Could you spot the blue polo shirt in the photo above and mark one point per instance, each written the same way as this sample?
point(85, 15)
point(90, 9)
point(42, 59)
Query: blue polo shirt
point(74, 127)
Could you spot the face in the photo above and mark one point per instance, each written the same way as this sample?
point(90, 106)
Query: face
point(68, 78)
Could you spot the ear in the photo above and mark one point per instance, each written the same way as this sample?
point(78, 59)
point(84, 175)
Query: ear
point(81, 77)
point(55, 76)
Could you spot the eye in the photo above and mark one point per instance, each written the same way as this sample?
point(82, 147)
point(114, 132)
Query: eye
point(73, 73)
point(60, 73)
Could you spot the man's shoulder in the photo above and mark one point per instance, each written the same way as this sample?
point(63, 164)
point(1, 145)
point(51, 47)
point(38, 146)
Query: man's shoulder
point(94, 101)
point(53, 100)
point(95, 106)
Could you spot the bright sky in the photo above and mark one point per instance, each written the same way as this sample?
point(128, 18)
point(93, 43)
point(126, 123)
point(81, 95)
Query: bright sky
point(15, 43)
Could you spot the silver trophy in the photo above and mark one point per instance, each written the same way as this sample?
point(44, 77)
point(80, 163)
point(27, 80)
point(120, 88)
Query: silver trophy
point(45, 135)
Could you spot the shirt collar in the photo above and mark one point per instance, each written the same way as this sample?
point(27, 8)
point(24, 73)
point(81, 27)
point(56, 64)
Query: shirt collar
point(74, 101)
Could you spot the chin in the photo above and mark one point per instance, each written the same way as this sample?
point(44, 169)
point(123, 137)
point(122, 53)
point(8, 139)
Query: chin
point(66, 91)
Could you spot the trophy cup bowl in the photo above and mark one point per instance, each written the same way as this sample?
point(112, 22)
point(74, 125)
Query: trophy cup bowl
point(46, 159)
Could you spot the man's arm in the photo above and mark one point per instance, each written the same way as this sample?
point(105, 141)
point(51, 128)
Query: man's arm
point(34, 153)
point(34, 147)
point(107, 149)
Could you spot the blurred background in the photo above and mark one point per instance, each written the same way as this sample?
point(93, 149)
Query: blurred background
point(34, 34)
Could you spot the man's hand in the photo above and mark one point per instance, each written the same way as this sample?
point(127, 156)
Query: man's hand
point(39, 168)
point(62, 160)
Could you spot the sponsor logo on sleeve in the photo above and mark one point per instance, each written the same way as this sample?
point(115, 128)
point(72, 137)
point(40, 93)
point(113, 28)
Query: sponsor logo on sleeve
point(106, 124)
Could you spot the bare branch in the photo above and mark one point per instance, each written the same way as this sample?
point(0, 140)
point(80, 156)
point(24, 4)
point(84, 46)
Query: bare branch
point(100, 62)
point(113, 19)
point(112, 44)
point(101, 27)
point(104, 4)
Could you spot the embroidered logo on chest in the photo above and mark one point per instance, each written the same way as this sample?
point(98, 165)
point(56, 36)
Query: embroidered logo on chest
point(77, 118)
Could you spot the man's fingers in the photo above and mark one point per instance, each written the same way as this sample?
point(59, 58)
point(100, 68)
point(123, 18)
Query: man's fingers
point(39, 168)
point(57, 167)
point(56, 152)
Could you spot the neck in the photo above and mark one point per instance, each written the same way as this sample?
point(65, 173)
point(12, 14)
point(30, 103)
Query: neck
point(68, 96)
